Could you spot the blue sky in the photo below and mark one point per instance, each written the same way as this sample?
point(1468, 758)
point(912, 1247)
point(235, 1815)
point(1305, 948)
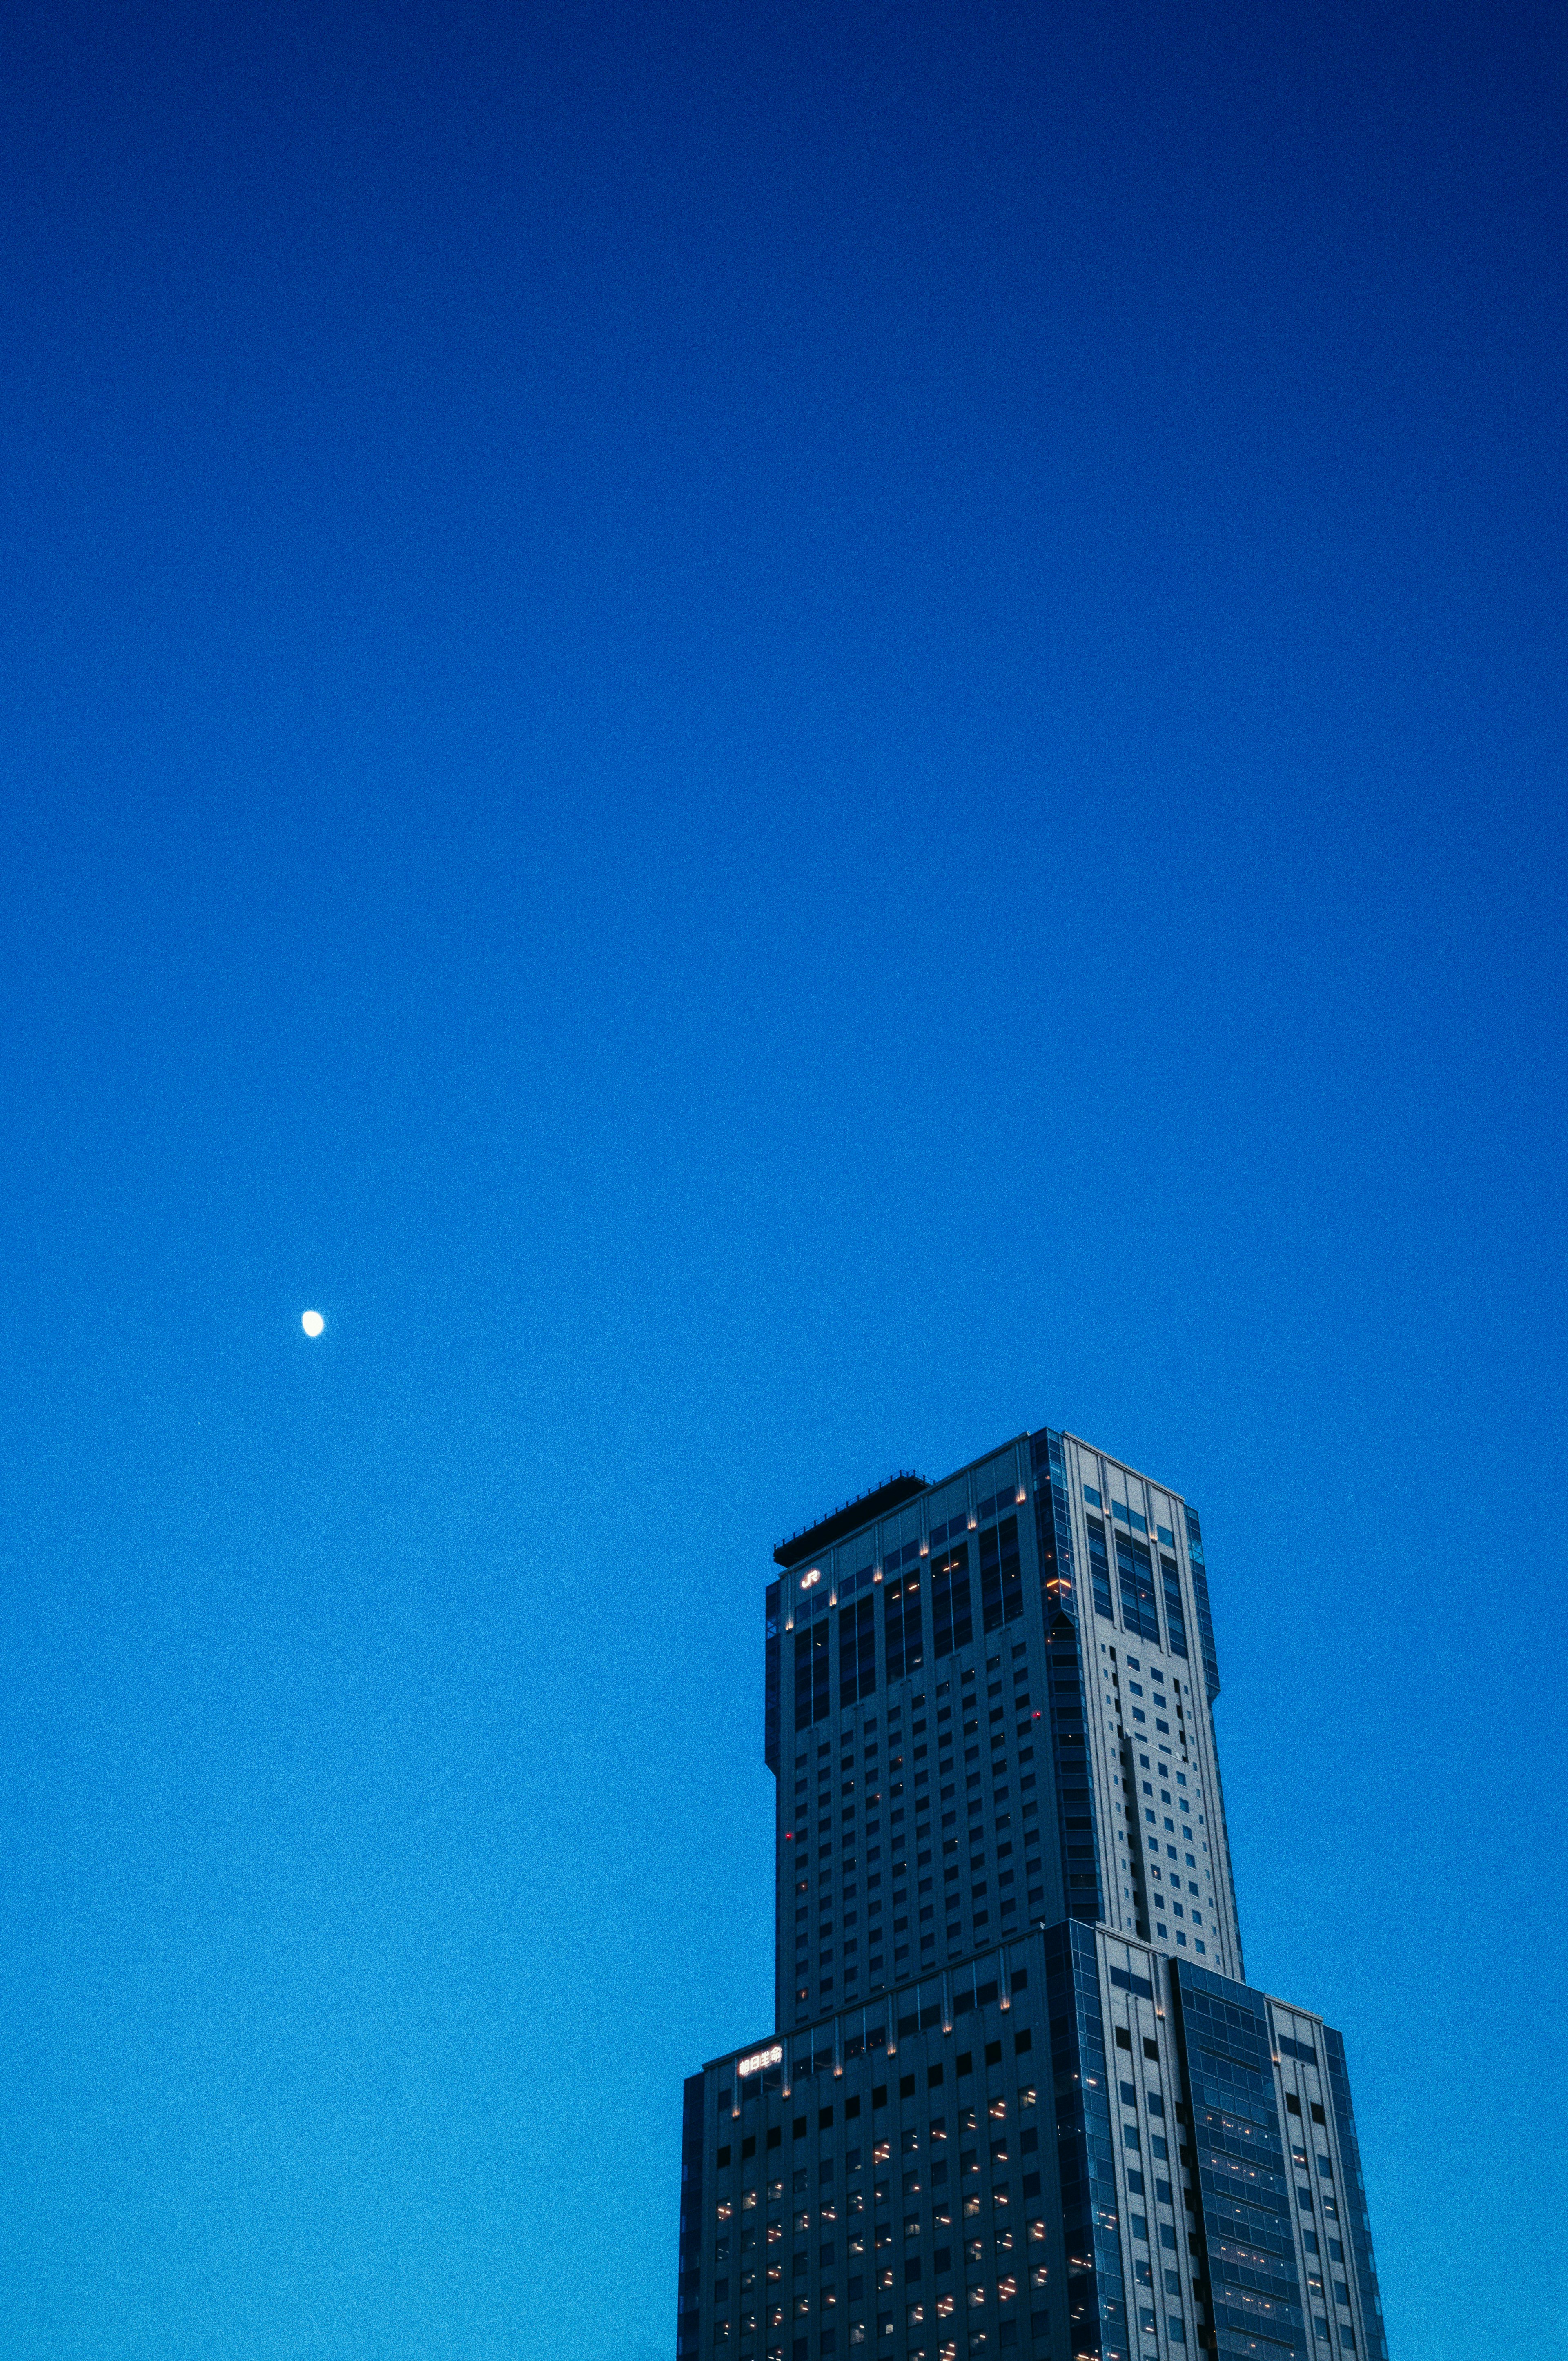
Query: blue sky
point(779, 739)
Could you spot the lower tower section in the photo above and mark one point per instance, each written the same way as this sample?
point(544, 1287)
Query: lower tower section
point(1072, 2145)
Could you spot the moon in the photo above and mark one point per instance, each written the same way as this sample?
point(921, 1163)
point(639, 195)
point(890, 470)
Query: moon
point(311, 1322)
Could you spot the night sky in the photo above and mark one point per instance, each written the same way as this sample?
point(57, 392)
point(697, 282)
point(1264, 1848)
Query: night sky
point(779, 737)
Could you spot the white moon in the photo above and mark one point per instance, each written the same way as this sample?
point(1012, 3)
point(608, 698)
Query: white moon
point(311, 1322)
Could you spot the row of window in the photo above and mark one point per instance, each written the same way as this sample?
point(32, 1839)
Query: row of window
point(1133, 1518)
point(995, 2261)
point(1136, 1585)
point(1007, 2335)
point(867, 1768)
point(1000, 1570)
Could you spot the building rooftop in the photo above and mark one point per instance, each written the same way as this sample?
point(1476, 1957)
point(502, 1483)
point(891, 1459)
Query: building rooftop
point(849, 1518)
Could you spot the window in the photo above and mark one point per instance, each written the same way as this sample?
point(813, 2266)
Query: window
point(813, 1699)
point(1099, 1568)
point(1176, 1622)
point(901, 1625)
point(1000, 1582)
point(857, 1655)
point(952, 1624)
point(1136, 1571)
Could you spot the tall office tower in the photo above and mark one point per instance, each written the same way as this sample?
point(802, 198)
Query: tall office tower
point(1019, 2096)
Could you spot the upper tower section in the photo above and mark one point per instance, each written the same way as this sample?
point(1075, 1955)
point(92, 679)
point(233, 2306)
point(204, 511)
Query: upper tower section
point(989, 1706)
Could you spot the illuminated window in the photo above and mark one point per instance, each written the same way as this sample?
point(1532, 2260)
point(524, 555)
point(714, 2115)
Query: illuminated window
point(1002, 1589)
point(813, 1699)
point(951, 1621)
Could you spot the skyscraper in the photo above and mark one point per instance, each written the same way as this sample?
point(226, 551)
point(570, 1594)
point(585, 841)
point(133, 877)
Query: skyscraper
point(1018, 2096)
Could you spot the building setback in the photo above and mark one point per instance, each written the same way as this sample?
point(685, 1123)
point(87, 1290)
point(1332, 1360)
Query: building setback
point(1019, 2097)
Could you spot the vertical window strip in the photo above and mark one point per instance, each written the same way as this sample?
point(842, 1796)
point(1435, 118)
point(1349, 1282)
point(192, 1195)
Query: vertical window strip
point(1100, 1569)
point(1138, 1612)
point(990, 1580)
point(1012, 1571)
point(813, 1697)
point(1200, 1600)
point(952, 1624)
point(1355, 2195)
point(901, 1625)
point(1088, 2215)
point(857, 1652)
point(1052, 1522)
point(1175, 1618)
point(803, 1679)
point(1001, 1576)
point(1074, 1790)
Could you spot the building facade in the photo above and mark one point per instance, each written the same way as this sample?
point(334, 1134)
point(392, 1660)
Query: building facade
point(1018, 2096)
